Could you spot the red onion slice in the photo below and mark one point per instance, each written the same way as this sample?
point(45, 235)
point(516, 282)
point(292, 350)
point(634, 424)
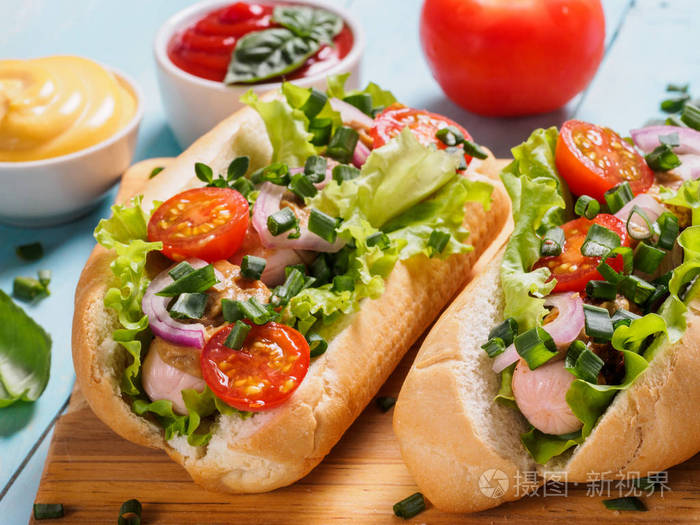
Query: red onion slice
point(359, 156)
point(648, 204)
point(689, 168)
point(504, 360)
point(350, 115)
point(570, 319)
point(648, 138)
point(267, 203)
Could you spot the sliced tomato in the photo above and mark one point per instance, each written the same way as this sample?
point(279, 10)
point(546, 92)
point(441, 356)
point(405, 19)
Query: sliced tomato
point(390, 122)
point(571, 269)
point(593, 159)
point(263, 374)
point(208, 223)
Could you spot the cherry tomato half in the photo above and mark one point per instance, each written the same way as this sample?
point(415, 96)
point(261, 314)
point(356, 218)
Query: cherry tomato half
point(593, 159)
point(263, 374)
point(512, 58)
point(208, 223)
point(390, 122)
point(571, 269)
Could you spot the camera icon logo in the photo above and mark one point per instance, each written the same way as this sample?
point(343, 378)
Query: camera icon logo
point(493, 483)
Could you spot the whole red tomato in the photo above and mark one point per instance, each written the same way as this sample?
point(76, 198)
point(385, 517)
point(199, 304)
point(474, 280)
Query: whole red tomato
point(509, 58)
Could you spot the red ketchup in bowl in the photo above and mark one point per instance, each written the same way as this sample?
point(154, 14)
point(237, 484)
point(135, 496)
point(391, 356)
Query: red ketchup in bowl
point(204, 47)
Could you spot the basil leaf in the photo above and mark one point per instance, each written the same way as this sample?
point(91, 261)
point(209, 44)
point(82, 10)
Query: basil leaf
point(306, 22)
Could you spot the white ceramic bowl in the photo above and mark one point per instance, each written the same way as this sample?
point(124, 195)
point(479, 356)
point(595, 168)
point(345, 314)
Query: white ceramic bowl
point(194, 105)
point(56, 190)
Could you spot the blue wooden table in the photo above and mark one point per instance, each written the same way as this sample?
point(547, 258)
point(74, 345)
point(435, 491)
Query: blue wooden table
point(649, 43)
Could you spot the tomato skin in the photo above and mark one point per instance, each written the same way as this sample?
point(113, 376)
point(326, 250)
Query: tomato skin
point(615, 160)
point(424, 124)
point(575, 233)
point(217, 219)
point(223, 367)
point(512, 58)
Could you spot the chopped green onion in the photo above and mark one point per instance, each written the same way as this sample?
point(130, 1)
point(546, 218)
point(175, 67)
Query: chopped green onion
point(379, 239)
point(301, 186)
point(231, 310)
point(410, 506)
point(290, 268)
point(607, 271)
point(130, 513)
point(315, 168)
point(155, 171)
point(573, 352)
point(197, 281)
point(320, 129)
point(252, 267)
point(281, 221)
point(622, 316)
point(587, 206)
point(674, 104)
point(437, 242)
point(44, 278)
point(601, 290)
point(598, 323)
point(660, 293)
point(552, 242)
point(314, 104)
point(320, 269)
point(317, 345)
point(617, 196)
point(599, 241)
point(450, 136)
point(675, 120)
point(507, 331)
point(48, 511)
point(189, 306)
point(681, 88)
point(243, 186)
point(276, 173)
point(182, 269)
point(342, 144)
point(647, 258)
point(494, 346)
point(636, 289)
point(474, 150)
point(362, 101)
point(671, 139)
point(535, 346)
point(28, 289)
point(293, 284)
point(626, 503)
point(668, 230)
point(587, 365)
point(30, 252)
point(343, 172)
point(691, 116)
point(253, 310)
point(237, 168)
point(637, 234)
point(385, 403)
point(203, 172)
point(343, 283)
point(322, 225)
point(237, 335)
point(662, 158)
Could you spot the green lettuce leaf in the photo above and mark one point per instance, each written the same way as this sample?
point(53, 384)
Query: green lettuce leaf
point(687, 196)
point(297, 96)
point(25, 354)
point(380, 97)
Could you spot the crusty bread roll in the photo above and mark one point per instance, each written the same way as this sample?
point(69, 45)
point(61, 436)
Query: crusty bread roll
point(451, 431)
point(277, 447)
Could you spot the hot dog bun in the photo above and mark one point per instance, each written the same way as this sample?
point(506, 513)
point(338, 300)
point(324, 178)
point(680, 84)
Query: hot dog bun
point(451, 431)
point(277, 447)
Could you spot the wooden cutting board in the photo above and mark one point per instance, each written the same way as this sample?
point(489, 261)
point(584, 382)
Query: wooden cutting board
point(92, 471)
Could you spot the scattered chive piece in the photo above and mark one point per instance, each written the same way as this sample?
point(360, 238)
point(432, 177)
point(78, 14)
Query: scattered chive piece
point(342, 145)
point(437, 242)
point(276, 173)
point(281, 221)
point(599, 241)
point(385, 403)
point(601, 290)
point(636, 289)
point(194, 282)
point(315, 169)
point(203, 172)
point(626, 503)
point(320, 129)
point(130, 513)
point(622, 316)
point(44, 278)
point(320, 269)
point(253, 310)
point(252, 267)
point(231, 310)
point(237, 168)
point(691, 116)
point(449, 136)
point(474, 150)
point(242, 186)
point(189, 306)
point(552, 242)
point(506, 331)
point(674, 104)
point(681, 88)
point(637, 234)
point(28, 289)
point(237, 335)
point(598, 323)
point(536, 347)
point(317, 345)
point(362, 101)
point(662, 158)
point(155, 171)
point(668, 230)
point(647, 258)
point(660, 293)
point(587, 207)
point(675, 120)
point(301, 186)
point(322, 225)
point(343, 172)
point(48, 511)
point(343, 283)
point(182, 269)
point(314, 104)
point(607, 271)
point(617, 196)
point(30, 252)
point(379, 239)
point(294, 284)
point(587, 366)
point(494, 346)
point(572, 354)
point(410, 506)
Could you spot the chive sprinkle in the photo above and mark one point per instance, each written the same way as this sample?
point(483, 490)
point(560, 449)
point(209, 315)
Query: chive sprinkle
point(30, 252)
point(385, 403)
point(626, 503)
point(48, 511)
point(410, 506)
point(130, 513)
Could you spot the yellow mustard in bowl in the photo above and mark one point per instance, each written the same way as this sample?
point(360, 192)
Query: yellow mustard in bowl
point(58, 105)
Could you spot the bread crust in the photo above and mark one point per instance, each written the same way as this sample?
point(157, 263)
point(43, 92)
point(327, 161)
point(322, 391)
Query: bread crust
point(278, 447)
point(648, 427)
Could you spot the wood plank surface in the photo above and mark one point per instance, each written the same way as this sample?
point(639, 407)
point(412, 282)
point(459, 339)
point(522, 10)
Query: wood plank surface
point(92, 471)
